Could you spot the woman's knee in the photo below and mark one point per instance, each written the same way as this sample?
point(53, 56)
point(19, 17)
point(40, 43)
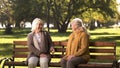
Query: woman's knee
point(63, 61)
point(44, 60)
point(31, 65)
point(33, 61)
point(69, 62)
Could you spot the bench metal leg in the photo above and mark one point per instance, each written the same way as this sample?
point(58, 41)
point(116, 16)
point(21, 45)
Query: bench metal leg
point(118, 66)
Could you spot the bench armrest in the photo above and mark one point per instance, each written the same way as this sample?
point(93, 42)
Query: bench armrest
point(4, 60)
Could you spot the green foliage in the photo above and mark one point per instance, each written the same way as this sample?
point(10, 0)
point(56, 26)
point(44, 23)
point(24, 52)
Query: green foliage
point(59, 12)
point(101, 10)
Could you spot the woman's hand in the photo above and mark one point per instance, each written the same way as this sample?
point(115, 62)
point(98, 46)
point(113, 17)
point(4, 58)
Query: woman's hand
point(52, 50)
point(69, 57)
point(43, 55)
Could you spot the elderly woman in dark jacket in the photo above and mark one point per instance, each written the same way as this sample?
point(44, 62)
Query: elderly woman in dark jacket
point(40, 45)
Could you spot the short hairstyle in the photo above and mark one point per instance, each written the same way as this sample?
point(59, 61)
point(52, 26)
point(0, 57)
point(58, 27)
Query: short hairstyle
point(78, 22)
point(35, 22)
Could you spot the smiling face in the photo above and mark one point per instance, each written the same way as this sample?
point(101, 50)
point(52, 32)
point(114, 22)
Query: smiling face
point(39, 26)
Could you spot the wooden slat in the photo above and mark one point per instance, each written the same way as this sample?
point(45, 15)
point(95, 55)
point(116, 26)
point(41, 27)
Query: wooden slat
point(20, 42)
point(23, 64)
point(63, 50)
point(96, 65)
point(25, 56)
point(102, 50)
point(63, 43)
point(56, 43)
point(89, 65)
point(20, 55)
point(57, 56)
point(60, 55)
point(21, 50)
point(16, 63)
point(103, 44)
point(60, 49)
point(27, 50)
point(110, 57)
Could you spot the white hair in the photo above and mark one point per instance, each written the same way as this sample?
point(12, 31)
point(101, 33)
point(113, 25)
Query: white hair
point(78, 22)
point(35, 22)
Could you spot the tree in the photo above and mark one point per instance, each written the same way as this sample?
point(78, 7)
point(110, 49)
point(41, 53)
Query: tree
point(6, 10)
point(27, 10)
point(61, 11)
point(48, 5)
point(64, 10)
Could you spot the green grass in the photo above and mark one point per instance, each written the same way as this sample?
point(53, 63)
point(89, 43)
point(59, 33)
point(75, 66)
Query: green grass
point(103, 34)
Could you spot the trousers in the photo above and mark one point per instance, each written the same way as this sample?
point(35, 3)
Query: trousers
point(72, 63)
point(33, 61)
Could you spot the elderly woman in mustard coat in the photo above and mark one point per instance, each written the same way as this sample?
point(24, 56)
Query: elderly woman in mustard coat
point(77, 51)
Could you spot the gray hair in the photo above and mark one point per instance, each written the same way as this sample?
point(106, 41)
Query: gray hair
point(78, 22)
point(35, 22)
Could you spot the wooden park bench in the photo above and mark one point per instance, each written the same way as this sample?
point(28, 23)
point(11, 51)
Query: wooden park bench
point(103, 55)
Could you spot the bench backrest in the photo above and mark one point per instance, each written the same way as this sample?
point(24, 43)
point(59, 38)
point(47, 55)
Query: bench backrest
point(99, 51)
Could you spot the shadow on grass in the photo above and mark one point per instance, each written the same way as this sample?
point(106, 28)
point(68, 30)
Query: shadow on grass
point(107, 38)
point(56, 34)
point(104, 33)
point(22, 33)
point(6, 49)
point(17, 33)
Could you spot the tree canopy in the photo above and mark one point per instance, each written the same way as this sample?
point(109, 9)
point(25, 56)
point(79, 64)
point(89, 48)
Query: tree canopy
point(58, 12)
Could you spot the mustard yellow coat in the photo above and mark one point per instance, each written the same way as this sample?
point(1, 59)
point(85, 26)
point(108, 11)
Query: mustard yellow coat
point(78, 45)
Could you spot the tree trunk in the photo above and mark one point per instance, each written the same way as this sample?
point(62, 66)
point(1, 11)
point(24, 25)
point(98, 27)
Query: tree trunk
point(63, 28)
point(8, 29)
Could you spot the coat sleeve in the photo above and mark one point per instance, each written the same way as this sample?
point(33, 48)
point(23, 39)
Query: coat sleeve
point(31, 45)
point(50, 43)
point(84, 45)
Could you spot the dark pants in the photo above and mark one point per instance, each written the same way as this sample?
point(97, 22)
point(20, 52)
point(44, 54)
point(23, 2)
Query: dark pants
point(72, 63)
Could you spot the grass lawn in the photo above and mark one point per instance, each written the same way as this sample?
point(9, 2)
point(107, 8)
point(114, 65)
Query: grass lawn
point(103, 34)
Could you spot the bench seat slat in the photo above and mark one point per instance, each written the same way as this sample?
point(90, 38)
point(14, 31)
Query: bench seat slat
point(60, 43)
point(23, 64)
point(111, 57)
point(20, 55)
point(21, 50)
point(102, 50)
point(63, 50)
point(27, 50)
point(103, 44)
point(25, 56)
point(96, 65)
point(19, 42)
point(54, 64)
